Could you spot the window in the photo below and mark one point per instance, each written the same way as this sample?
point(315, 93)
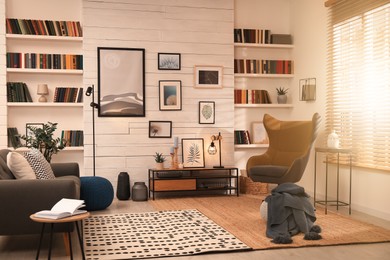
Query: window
point(358, 95)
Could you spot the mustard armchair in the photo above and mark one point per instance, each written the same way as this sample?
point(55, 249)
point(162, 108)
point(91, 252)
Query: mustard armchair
point(289, 149)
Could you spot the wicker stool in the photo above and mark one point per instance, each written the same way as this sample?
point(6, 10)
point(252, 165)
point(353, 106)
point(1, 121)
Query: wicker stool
point(97, 192)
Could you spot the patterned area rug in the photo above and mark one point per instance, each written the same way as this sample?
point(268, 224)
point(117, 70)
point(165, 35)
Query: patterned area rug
point(155, 234)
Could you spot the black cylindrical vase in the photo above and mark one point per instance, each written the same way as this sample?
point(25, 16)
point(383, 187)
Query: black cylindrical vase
point(123, 188)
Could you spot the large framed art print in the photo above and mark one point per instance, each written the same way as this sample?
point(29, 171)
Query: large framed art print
point(121, 82)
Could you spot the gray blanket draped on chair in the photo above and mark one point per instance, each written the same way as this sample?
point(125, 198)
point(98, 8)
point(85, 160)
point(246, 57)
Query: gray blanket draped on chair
point(290, 212)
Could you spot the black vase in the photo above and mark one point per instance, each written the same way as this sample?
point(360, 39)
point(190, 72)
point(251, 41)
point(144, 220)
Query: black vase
point(123, 188)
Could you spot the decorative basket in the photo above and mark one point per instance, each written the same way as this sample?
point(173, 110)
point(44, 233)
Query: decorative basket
point(247, 186)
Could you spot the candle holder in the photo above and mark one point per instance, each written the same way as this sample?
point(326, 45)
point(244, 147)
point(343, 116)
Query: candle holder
point(174, 159)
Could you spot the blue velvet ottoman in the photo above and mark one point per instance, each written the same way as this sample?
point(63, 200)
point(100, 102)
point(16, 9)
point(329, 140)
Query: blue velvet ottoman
point(97, 192)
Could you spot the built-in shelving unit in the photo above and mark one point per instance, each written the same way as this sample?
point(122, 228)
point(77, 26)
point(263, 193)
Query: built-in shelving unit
point(68, 115)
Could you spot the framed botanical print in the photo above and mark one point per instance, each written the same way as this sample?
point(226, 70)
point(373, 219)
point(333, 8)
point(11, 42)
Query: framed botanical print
point(192, 152)
point(169, 61)
point(160, 129)
point(206, 112)
point(170, 94)
point(121, 82)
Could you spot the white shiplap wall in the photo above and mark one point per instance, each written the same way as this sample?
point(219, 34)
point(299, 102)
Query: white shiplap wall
point(202, 32)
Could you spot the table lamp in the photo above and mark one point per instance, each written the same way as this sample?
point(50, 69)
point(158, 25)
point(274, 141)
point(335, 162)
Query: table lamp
point(42, 90)
point(213, 149)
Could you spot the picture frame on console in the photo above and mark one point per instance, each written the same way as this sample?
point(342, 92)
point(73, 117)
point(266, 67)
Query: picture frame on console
point(121, 82)
point(160, 129)
point(169, 61)
point(193, 152)
point(206, 112)
point(170, 95)
point(208, 76)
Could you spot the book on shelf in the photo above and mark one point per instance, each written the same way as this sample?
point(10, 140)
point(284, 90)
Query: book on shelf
point(251, 96)
point(18, 92)
point(68, 95)
point(43, 27)
point(44, 61)
point(73, 137)
point(242, 137)
point(262, 36)
point(251, 66)
point(13, 137)
point(62, 209)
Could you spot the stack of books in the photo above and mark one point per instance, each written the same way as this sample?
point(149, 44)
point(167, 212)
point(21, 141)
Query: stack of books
point(263, 66)
point(43, 27)
point(68, 95)
point(251, 96)
point(242, 137)
point(18, 92)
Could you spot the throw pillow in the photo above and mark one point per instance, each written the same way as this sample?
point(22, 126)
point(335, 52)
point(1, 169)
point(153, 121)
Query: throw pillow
point(19, 166)
point(39, 164)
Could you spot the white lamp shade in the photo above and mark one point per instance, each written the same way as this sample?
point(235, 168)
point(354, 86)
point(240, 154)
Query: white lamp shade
point(42, 89)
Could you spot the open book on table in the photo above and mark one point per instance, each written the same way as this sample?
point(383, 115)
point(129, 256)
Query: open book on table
point(62, 209)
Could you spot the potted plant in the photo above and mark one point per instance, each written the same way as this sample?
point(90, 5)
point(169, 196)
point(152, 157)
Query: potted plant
point(160, 159)
point(282, 97)
point(43, 140)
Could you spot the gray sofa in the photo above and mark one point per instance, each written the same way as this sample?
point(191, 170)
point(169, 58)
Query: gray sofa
point(21, 198)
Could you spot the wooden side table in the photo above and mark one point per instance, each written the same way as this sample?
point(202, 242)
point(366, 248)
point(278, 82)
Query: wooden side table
point(73, 219)
point(336, 202)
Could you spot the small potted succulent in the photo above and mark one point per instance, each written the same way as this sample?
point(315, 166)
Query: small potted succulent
point(282, 97)
point(160, 159)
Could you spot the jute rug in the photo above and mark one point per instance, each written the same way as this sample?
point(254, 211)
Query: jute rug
point(155, 234)
point(241, 217)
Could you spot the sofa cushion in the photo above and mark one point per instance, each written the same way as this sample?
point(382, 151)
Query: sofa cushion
point(5, 173)
point(39, 164)
point(19, 166)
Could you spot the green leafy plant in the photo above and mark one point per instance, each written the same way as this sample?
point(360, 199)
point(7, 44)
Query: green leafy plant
point(43, 140)
point(282, 91)
point(159, 158)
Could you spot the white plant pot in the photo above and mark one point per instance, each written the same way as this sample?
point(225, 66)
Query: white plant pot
point(160, 166)
point(282, 99)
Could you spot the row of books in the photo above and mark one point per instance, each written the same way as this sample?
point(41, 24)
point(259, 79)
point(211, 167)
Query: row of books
point(43, 27)
point(73, 137)
point(242, 137)
point(251, 96)
point(13, 137)
point(18, 92)
point(68, 95)
point(252, 36)
point(263, 66)
point(44, 61)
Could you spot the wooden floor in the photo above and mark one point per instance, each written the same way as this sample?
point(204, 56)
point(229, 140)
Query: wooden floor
point(24, 247)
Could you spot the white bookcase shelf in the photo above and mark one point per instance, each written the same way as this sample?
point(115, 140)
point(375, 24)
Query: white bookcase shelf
point(262, 45)
point(253, 75)
point(44, 37)
point(48, 104)
point(263, 105)
point(44, 71)
point(250, 146)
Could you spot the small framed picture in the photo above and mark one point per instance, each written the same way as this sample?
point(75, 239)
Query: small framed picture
point(170, 94)
point(206, 112)
point(29, 128)
point(160, 129)
point(259, 134)
point(208, 76)
point(169, 61)
point(192, 152)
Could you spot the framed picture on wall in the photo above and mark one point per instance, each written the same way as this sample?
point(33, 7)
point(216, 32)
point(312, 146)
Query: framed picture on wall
point(192, 152)
point(259, 134)
point(170, 95)
point(169, 61)
point(121, 82)
point(160, 129)
point(208, 76)
point(206, 112)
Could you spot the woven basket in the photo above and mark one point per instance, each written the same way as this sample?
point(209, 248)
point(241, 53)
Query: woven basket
point(247, 186)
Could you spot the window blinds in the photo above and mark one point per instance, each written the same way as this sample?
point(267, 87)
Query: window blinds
point(358, 87)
